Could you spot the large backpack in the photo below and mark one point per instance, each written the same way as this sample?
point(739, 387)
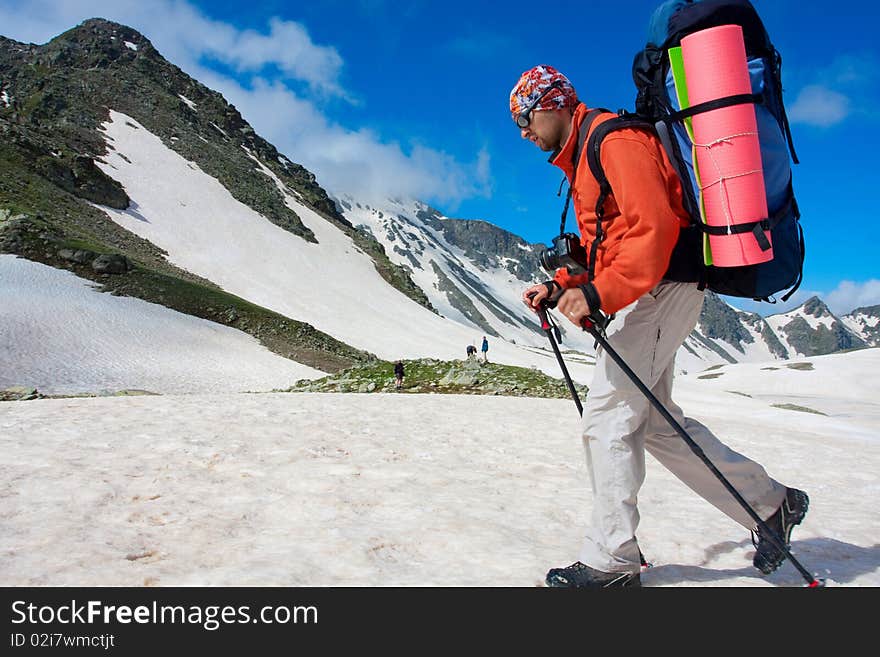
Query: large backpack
point(657, 110)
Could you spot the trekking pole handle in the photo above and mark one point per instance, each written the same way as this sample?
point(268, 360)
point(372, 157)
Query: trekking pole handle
point(595, 321)
point(541, 310)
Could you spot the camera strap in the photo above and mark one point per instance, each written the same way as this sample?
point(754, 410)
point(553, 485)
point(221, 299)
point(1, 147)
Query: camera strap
point(582, 137)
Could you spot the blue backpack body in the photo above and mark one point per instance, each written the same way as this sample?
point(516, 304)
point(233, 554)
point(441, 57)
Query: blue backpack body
point(657, 110)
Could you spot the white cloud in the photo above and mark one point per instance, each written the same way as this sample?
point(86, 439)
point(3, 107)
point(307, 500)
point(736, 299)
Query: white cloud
point(345, 159)
point(355, 162)
point(843, 88)
point(817, 105)
point(853, 70)
point(848, 296)
point(287, 46)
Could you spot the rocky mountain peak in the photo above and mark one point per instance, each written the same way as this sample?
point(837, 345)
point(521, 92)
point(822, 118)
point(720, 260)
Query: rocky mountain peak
point(865, 322)
point(870, 311)
point(815, 307)
point(100, 33)
point(60, 93)
point(56, 98)
point(94, 44)
point(812, 329)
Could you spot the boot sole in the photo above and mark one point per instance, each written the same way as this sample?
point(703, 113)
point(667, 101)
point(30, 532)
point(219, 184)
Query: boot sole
point(803, 502)
point(633, 581)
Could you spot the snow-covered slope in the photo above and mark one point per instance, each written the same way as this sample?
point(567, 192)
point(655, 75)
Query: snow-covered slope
point(813, 329)
point(331, 285)
point(60, 335)
point(471, 271)
point(416, 490)
point(817, 388)
point(865, 323)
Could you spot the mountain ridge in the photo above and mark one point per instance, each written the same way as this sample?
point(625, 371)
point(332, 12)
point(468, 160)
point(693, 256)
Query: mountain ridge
point(55, 98)
point(62, 203)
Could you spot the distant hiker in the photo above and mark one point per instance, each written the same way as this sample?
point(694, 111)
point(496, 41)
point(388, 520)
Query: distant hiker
point(485, 349)
point(654, 315)
point(398, 374)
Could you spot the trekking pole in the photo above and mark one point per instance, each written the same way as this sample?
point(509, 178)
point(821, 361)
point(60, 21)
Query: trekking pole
point(547, 327)
point(589, 325)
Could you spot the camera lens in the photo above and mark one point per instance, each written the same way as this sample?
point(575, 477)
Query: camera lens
point(549, 259)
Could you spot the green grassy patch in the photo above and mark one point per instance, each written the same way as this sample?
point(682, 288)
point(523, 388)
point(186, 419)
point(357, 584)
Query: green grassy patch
point(802, 409)
point(428, 375)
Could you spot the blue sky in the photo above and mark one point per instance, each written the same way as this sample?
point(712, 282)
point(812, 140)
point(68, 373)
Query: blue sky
point(410, 99)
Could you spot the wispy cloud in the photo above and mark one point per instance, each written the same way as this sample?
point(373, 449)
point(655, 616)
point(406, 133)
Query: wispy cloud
point(848, 296)
point(847, 86)
point(356, 162)
point(851, 69)
point(283, 78)
point(287, 46)
point(819, 106)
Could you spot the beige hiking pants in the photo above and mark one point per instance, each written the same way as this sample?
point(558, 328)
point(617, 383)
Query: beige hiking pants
point(619, 424)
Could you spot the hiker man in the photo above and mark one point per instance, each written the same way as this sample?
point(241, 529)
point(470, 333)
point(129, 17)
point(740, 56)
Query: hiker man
point(653, 316)
point(485, 349)
point(398, 374)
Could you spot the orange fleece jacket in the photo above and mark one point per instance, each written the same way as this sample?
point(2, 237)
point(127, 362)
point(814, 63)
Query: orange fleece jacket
point(642, 218)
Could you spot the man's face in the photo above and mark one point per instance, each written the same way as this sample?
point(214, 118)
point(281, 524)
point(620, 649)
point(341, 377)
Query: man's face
point(545, 129)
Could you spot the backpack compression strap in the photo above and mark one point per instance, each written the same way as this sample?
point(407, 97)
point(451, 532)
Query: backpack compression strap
point(710, 105)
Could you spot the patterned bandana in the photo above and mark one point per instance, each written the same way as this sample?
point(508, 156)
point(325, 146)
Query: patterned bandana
point(533, 82)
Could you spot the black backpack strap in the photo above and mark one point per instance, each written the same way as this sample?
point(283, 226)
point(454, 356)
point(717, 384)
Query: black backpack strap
point(800, 277)
point(588, 121)
point(718, 103)
point(776, 60)
point(594, 146)
point(759, 226)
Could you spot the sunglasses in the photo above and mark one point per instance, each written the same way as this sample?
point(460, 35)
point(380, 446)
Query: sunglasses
point(524, 118)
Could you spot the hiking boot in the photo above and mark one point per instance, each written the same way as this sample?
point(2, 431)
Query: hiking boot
point(794, 507)
point(580, 576)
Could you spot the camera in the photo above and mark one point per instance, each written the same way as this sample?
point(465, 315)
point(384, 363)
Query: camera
point(567, 251)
